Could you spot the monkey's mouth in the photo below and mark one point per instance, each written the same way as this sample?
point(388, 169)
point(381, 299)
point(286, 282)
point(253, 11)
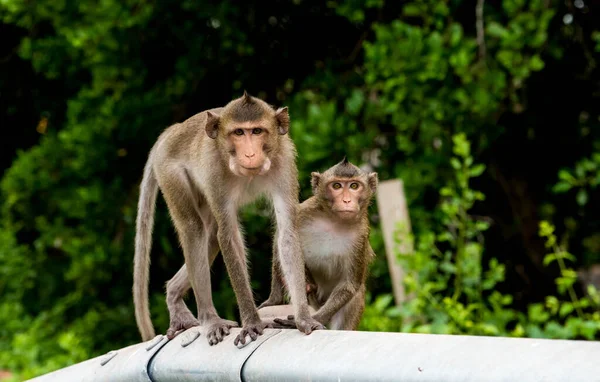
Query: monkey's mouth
point(251, 171)
point(347, 211)
point(251, 168)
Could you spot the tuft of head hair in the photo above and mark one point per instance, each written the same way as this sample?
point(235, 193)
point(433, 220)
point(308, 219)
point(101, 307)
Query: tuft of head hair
point(345, 169)
point(247, 108)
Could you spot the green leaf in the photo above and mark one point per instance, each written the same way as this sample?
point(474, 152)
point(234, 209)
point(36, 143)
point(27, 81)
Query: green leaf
point(582, 197)
point(537, 313)
point(411, 10)
point(535, 63)
point(477, 170)
point(561, 187)
point(549, 258)
point(569, 273)
point(446, 191)
point(566, 176)
point(566, 256)
point(589, 329)
point(355, 102)
point(552, 303)
point(494, 29)
point(565, 309)
point(383, 302)
point(455, 163)
point(482, 225)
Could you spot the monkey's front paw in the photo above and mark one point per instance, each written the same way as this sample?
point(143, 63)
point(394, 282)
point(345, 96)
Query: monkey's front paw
point(218, 329)
point(282, 323)
point(307, 325)
point(180, 324)
point(252, 330)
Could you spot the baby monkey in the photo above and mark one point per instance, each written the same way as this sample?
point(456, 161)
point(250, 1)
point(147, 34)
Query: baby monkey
point(333, 226)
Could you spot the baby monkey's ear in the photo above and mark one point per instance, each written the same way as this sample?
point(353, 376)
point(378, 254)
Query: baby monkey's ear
point(315, 180)
point(373, 181)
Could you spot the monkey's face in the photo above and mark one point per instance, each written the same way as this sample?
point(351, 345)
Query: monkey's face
point(248, 133)
point(246, 144)
point(347, 196)
point(345, 189)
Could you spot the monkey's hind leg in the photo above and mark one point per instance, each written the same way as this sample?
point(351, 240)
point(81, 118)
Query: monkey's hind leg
point(181, 318)
point(198, 249)
point(348, 318)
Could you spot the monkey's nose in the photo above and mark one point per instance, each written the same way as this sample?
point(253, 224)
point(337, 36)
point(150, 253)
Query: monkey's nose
point(347, 201)
point(250, 156)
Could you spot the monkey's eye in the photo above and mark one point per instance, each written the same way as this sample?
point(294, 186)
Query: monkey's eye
point(238, 132)
point(256, 130)
point(337, 186)
point(354, 186)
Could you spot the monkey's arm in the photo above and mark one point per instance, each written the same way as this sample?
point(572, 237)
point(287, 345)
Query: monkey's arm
point(340, 296)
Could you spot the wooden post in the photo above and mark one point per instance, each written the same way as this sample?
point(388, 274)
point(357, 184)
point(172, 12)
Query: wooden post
point(395, 223)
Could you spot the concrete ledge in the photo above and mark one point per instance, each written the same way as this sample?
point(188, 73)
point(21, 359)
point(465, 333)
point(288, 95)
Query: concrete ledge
point(327, 355)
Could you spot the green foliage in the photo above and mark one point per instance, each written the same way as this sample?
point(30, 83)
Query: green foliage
point(452, 293)
point(399, 87)
point(579, 316)
point(585, 177)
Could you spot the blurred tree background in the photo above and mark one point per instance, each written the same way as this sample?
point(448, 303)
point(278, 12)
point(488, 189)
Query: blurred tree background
point(489, 111)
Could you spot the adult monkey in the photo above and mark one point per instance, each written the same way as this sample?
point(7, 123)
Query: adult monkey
point(207, 167)
point(333, 226)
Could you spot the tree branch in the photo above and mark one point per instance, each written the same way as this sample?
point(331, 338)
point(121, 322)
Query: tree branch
point(479, 26)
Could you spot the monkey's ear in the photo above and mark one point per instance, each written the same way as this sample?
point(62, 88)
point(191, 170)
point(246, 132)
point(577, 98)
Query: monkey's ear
point(283, 119)
point(315, 179)
point(212, 125)
point(373, 181)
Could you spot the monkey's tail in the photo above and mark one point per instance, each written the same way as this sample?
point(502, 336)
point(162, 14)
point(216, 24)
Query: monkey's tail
point(143, 245)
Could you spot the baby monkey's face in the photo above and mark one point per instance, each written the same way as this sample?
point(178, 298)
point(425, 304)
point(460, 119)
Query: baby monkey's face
point(345, 196)
point(345, 189)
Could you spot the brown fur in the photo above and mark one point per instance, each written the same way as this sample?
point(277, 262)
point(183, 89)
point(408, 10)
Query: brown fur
point(337, 260)
point(206, 172)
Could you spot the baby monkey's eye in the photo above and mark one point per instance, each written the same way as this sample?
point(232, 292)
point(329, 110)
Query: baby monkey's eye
point(354, 186)
point(337, 186)
point(238, 132)
point(256, 130)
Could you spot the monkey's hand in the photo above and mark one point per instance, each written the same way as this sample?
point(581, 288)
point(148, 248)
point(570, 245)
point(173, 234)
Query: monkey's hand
point(282, 323)
point(252, 330)
point(306, 325)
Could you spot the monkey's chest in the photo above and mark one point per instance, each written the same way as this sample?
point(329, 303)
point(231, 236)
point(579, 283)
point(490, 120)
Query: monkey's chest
point(327, 252)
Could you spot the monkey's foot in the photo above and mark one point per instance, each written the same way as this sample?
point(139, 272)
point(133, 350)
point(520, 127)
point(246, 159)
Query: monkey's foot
point(252, 330)
point(271, 302)
point(218, 329)
point(180, 323)
point(305, 325)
